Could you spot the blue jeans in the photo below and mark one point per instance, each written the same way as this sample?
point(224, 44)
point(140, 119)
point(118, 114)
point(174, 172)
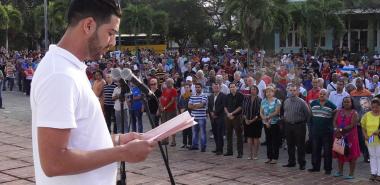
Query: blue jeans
point(1, 99)
point(201, 125)
point(10, 81)
point(136, 116)
point(118, 121)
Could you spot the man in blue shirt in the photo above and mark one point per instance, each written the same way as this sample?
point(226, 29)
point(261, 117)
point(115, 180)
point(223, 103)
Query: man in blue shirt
point(136, 109)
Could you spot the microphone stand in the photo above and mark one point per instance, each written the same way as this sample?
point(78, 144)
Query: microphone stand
point(124, 88)
point(166, 159)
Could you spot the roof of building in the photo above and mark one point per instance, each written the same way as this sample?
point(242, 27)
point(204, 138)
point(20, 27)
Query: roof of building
point(359, 11)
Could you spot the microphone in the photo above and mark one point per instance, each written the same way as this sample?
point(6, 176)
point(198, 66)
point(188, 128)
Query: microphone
point(116, 74)
point(127, 74)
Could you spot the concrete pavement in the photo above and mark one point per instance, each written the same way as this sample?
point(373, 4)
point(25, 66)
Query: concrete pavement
point(188, 167)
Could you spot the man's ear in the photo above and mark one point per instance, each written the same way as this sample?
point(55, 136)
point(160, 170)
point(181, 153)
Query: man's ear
point(88, 26)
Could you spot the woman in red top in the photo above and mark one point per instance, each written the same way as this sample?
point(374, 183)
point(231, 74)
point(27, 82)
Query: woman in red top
point(345, 124)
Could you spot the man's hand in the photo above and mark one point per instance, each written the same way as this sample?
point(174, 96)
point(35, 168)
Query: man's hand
point(125, 138)
point(376, 133)
point(136, 150)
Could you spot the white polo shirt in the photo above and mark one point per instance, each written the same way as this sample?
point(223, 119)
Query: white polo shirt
point(337, 99)
point(62, 98)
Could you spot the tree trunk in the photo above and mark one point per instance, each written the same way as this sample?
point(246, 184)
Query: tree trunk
point(319, 45)
point(6, 39)
point(248, 56)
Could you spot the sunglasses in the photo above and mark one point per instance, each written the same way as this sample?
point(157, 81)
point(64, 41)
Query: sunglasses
point(153, 84)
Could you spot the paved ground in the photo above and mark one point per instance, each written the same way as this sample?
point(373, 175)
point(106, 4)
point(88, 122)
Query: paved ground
point(188, 167)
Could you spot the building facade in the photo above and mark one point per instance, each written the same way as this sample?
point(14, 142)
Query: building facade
point(361, 33)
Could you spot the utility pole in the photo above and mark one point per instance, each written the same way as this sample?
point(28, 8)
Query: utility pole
point(46, 23)
point(119, 33)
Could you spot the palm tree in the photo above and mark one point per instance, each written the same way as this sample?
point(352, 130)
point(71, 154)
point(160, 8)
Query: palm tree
point(11, 21)
point(3, 17)
point(56, 19)
point(323, 17)
point(316, 17)
point(257, 18)
point(142, 18)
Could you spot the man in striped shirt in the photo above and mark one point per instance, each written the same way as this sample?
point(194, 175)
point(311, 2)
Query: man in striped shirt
point(322, 131)
point(109, 111)
point(296, 114)
point(198, 105)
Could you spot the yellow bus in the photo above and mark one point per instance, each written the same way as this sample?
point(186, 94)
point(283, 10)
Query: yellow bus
point(132, 42)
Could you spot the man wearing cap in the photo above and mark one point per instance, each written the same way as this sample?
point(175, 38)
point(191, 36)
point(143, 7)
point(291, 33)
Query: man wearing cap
point(189, 80)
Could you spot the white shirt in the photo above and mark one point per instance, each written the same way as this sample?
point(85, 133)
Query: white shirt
point(261, 87)
point(182, 65)
point(331, 87)
point(206, 59)
point(366, 83)
point(116, 106)
point(337, 99)
point(224, 89)
point(62, 98)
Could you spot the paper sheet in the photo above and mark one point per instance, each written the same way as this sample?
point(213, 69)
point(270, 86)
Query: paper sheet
point(178, 123)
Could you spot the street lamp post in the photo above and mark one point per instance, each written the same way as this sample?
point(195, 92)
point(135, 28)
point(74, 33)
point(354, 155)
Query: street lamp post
point(46, 23)
point(119, 40)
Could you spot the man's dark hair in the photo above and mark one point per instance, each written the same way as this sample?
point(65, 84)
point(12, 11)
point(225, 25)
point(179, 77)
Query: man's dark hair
point(100, 10)
point(375, 101)
point(198, 84)
point(232, 83)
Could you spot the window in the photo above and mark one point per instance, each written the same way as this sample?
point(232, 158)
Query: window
point(293, 39)
point(376, 38)
point(290, 40)
point(323, 40)
point(282, 41)
point(297, 40)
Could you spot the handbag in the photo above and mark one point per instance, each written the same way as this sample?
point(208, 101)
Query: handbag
point(339, 146)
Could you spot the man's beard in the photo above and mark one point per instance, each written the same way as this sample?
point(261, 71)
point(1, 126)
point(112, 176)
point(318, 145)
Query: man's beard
point(94, 49)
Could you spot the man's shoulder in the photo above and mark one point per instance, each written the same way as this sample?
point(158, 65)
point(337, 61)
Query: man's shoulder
point(331, 104)
point(334, 93)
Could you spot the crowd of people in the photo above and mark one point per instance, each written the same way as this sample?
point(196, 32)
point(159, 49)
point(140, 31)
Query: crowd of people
point(304, 102)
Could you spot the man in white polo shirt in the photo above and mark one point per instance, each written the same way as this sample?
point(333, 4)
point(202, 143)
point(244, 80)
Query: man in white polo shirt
point(71, 142)
point(337, 96)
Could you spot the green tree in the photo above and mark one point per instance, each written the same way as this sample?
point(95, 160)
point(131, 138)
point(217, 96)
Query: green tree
point(256, 18)
point(187, 21)
point(142, 18)
point(56, 21)
point(323, 17)
point(223, 30)
point(12, 22)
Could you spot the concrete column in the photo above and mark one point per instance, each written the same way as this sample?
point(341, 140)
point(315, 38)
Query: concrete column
point(277, 42)
point(309, 38)
point(371, 34)
point(329, 38)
